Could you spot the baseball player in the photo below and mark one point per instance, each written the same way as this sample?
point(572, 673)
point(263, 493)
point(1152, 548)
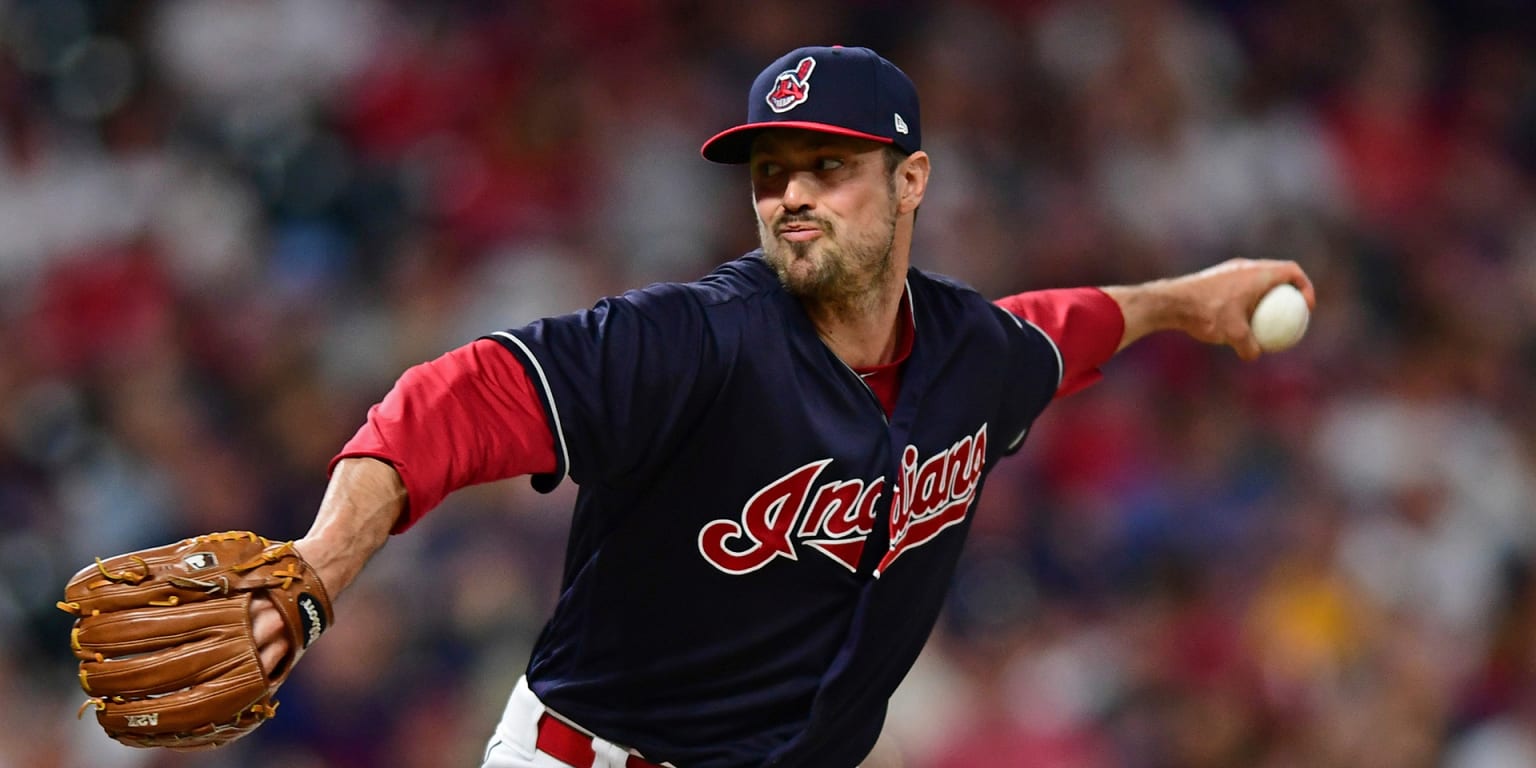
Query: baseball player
point(777, 464)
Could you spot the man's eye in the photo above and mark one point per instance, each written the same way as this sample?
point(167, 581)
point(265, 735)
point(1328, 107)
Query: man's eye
point(768, 169)
point(829, 163)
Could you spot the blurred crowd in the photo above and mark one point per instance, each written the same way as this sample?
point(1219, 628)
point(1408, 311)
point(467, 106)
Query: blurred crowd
point(227, 226)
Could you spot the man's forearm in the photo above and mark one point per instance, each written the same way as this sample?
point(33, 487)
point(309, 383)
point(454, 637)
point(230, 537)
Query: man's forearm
point(361, 504)
point(1147, 308)
point(1213, 305)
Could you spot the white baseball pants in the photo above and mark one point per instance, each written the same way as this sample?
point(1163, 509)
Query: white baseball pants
point(514, 743)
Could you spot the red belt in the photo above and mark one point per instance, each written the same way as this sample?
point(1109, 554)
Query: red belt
point(566, 743)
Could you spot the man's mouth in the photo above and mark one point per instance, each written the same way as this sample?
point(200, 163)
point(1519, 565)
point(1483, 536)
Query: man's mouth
point(799, 232)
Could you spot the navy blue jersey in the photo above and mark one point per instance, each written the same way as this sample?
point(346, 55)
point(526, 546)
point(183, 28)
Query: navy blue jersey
point(758, 554)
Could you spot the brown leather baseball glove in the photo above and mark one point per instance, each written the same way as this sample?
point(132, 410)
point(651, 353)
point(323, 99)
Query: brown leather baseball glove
point(164, 637)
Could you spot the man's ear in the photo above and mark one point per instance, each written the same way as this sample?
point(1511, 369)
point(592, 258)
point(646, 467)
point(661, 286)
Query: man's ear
point(911, 181)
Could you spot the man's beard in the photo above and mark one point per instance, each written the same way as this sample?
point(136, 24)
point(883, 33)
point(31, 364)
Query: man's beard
point(848, 276)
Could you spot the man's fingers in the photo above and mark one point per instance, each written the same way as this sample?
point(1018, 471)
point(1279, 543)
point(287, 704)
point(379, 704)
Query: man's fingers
point(1305, 284)
point(1295, 275)
point(1248, 349)
point(271, 637)
point(1241, 339)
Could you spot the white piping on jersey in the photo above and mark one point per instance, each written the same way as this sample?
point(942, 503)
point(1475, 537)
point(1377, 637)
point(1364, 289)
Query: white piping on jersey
point(1014, 444)
point(912, 316)
point(859, 377)
point(549, 397)
point(1061, 368)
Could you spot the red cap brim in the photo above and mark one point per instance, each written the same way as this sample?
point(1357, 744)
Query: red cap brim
point(734, 145)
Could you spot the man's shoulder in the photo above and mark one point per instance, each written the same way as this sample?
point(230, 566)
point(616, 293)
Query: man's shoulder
point(744, 279)
point(953, 307)
point(946, 293)
point(940, 282)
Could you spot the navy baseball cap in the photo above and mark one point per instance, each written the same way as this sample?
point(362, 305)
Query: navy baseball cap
point(846, 91)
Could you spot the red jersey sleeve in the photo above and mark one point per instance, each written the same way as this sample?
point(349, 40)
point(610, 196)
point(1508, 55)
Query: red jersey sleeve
point(468, 417)
point(1085, 324)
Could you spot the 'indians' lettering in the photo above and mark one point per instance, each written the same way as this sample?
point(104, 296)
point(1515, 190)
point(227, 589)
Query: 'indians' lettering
point(836, 517)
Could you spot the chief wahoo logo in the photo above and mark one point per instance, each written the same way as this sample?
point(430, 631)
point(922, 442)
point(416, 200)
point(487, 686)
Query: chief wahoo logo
point(793, 86)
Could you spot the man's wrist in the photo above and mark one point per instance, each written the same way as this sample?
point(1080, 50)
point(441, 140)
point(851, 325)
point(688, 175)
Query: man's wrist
point(361, 504)
point(1148, 308)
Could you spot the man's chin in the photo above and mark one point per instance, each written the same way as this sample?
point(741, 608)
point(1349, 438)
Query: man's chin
point(785, 258)
point(800, 274)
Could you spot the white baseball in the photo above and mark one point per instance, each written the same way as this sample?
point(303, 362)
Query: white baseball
point(1280, 319)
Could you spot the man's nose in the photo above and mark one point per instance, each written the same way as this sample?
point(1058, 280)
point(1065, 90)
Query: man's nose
point(799, 192)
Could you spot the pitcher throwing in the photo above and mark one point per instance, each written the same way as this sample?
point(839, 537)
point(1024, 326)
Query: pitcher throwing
point(777, 463)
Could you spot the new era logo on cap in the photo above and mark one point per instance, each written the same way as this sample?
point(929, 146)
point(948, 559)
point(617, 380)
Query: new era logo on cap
point(857, 93)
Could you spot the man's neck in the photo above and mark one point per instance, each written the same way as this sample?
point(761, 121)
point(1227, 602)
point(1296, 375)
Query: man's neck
point(863, 334)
